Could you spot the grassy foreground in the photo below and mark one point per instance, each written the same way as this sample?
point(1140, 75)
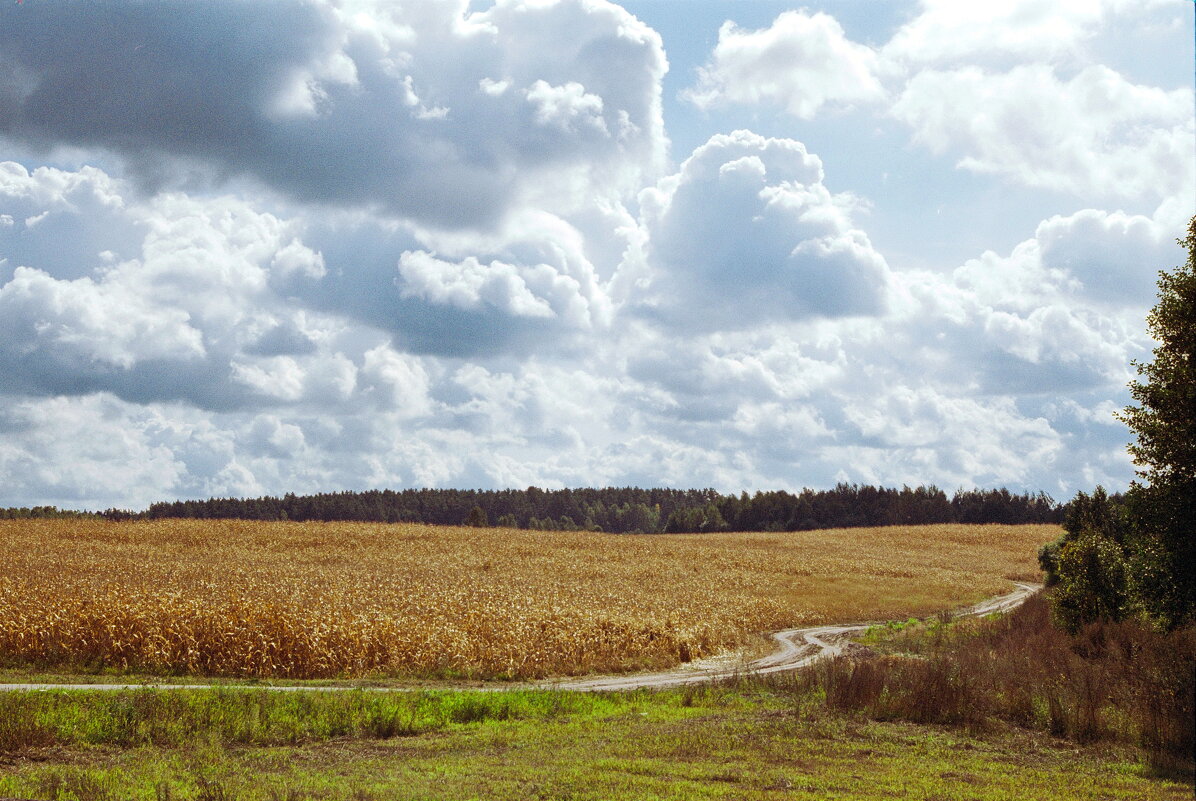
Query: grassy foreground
point(1001, 708)
point(324, 600)
point(750, 741)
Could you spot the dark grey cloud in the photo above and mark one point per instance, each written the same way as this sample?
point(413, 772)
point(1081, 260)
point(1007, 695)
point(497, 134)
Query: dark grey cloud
point(282, 340)
point(295, 95)
point(152, 79)
point(206, 384)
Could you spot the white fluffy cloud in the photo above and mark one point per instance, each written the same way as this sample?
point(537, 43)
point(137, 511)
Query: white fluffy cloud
point(469, 284)
point(82, 323)
point(1092, 257)
point(532, 291)
point(1004, 371)
point(746, 232)
point(360, 245)
point(1094, 134)
point(193, 308)
point(946, 31)
point(802, 62)
point(85, 452)
point(1005, 89)
point(704, 373)
point(1044, 318)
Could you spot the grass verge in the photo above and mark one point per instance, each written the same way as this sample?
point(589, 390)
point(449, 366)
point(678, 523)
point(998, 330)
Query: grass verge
point(748, 740)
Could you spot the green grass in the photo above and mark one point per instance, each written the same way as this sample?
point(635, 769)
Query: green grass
point(747, 741)
point(24, 674)
point(847, 730)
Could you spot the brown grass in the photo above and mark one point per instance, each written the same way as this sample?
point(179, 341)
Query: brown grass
point(1109, 682)
point(238, 598)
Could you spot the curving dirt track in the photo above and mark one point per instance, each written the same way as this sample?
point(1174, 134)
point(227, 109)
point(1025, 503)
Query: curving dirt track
point(796, 649)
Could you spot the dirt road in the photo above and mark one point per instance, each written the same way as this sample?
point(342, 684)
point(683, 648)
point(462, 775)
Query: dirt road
point(796, 648)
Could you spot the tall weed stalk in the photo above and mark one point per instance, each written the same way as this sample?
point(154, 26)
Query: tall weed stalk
point(1121, 682)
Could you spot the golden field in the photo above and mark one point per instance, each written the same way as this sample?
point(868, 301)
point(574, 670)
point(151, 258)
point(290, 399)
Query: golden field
point(310, 600)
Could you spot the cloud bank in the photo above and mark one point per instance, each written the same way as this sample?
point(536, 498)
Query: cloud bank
point(310, 246)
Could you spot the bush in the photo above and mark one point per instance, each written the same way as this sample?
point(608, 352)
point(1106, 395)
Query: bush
point(1091, 583)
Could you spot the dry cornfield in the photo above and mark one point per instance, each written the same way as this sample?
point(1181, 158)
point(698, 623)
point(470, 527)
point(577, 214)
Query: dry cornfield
point(309, 600)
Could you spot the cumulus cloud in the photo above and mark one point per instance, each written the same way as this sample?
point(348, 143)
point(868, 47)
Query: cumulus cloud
point(537, 283)
point(1105, 252)
point(81, 322)
point(755, 389)
point(1012, 90)
point(1094, 134)
point(1005, 370)
point(1007, 89)
point(947, 31)
point(362, 245)
point(1063, 311)
point(63, 220)
point(389, 106)
point(802, 62)
point(83, 452)
point(1038, 320)
point(469, 285)
point(188, 307)
point(953, 436)
point(395, 382)
point(1091, 258)
point(747, 232)
point(568, 108)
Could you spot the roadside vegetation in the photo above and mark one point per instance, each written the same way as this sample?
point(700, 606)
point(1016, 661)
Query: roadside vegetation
point(1122, 682)
point(289, 600)
point(748, 740)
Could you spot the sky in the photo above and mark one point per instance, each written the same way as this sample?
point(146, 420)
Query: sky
point(254, 248)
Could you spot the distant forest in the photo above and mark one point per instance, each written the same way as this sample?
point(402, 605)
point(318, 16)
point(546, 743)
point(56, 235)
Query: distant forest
point(621, 510)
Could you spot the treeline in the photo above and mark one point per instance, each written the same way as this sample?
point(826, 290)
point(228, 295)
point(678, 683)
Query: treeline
point(632, 510)
point(26, 512)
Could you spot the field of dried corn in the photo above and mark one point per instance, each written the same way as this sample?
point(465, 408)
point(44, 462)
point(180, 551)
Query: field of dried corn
point(311, 600)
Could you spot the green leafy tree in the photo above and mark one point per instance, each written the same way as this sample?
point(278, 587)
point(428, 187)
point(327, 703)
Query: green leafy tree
point(1096, 515)
point(476, 517)
point(1087, 565)
point(1165, 420)
point(1137, 556)
point(1092, 581)
point(1163, 510)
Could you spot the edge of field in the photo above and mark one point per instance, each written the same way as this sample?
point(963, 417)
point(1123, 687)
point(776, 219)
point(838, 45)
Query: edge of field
point(763, 643)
